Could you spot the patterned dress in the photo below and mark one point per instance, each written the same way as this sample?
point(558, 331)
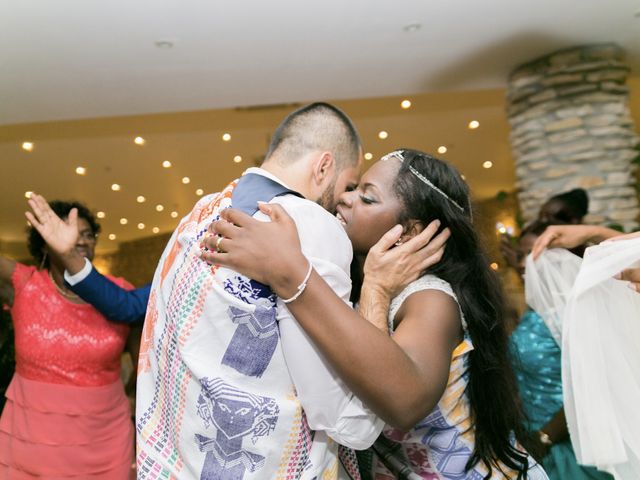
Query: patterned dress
point(439, 446)
point(537, 363)
point(66, 416)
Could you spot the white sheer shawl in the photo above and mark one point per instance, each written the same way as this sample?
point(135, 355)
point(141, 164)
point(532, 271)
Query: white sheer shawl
point(596, 320)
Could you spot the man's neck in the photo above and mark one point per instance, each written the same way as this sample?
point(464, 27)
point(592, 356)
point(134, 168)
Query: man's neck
point(290, 175)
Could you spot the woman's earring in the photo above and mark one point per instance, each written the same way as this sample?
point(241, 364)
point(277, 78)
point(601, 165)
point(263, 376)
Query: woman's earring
point(44, 259)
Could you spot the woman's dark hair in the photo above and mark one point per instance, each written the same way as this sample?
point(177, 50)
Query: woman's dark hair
point(572, 207)
point(493, 395)
point(36, 243)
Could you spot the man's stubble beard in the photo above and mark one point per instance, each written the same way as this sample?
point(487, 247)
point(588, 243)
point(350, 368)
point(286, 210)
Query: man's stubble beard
point(328, 199)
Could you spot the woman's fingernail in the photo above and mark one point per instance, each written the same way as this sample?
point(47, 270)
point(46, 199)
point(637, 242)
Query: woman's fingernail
point(632, 286)
point(437, 222)
point(618, 276)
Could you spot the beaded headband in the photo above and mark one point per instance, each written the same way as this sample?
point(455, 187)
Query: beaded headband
point(398, 154)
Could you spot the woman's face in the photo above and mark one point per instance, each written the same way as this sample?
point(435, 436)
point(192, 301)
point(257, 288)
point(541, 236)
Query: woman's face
point(372, 209)
point(86, 242)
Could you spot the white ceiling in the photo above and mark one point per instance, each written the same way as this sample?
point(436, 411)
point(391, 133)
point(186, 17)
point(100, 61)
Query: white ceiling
point(70, 59)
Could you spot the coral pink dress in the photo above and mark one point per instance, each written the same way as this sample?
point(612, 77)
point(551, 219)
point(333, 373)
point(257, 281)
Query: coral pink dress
point(66, 415)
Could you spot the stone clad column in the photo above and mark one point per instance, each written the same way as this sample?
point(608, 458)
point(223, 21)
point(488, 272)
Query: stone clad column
point(571, 127)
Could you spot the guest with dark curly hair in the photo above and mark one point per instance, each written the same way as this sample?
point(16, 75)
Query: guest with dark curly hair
point(66, 413)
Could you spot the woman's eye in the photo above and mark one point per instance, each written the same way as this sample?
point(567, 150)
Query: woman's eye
point(351, 188)
point(367, 200)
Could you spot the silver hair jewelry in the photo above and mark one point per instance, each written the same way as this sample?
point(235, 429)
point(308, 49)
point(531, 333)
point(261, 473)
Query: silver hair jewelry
point(398, 154)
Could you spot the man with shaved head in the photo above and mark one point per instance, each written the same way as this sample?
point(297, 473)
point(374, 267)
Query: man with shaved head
point(229, 386)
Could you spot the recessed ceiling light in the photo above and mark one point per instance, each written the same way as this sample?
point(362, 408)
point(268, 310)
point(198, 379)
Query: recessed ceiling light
point(112, 236)
point(159, 208)
point(155, 229)
point(28, 194)
point(123, 221)
point(473, 124)
point(226, 137)
point(28, 146)
point(442, 149)
point(164, 44)
point(140, 199)
point(81, 170)
point(115, 187)
point(174, 214)
point(139, 141)
point(412, 27)
point(141, 226)
point(382, 135)
point(199, 192)
point(368, 156)
point(185, 180)
point(166, 164)
point(100, 214)
point(494, 266)
point(487, 164)
point(463, 177)
point(405, 104)
point(237, 159)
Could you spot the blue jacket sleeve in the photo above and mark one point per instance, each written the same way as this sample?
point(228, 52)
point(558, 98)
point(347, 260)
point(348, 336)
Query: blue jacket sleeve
point(112, 301)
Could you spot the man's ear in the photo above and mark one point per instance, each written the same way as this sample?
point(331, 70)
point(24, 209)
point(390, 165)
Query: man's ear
point(323, 167)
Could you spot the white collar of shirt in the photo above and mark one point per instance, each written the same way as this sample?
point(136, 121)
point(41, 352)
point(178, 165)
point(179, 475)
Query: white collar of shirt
point(264, 173)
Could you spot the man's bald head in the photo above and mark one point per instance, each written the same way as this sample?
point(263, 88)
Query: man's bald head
point(316, 127)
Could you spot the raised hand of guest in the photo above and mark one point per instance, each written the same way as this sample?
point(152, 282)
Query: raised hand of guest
point(61, 235)
point(571, 236)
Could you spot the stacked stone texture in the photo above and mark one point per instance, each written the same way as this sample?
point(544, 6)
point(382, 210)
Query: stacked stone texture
point(571, 127)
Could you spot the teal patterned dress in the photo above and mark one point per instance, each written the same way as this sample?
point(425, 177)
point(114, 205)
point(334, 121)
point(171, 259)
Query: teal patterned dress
point(537, 364)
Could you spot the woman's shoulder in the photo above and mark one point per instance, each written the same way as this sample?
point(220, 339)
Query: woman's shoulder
point(426, 282)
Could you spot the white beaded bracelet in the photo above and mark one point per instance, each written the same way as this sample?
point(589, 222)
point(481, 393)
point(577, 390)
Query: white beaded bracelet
point(301, 287)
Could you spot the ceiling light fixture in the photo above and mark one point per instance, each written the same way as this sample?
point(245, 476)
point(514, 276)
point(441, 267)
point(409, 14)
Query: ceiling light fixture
point(28, 194)
point(115, 187)
point(141, 226)
point(164, 44)
point(405, 104)
point(382, 135)
point(368, 156)
point(155, 229)
point(442, 149)
point(174, 214)
point(487, 164)
point(412, 27)
point(140, 199)
point(185, 180)
point(166, 164)
point(112, 236)
point(237, 159)
point(199, 192)
point(494, 266)
point(81, 170)
point(159, 208)
point(139, 141)
point(473, 124)
point(100, 214)
point(123, 221)
point(226, 137)
point(28, 146)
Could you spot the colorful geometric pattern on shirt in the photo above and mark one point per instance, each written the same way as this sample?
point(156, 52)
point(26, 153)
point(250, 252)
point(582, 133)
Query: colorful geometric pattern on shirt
point(349, 461)
point(295, 455)
point(189, 286)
